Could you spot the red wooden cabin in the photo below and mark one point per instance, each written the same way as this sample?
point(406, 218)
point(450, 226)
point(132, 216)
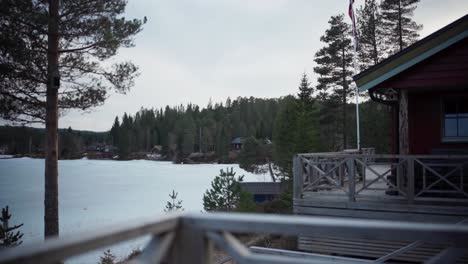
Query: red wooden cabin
point(427, 85)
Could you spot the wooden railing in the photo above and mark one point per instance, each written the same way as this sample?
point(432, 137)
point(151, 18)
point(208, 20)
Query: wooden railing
point(190, 238)
point(408, 178)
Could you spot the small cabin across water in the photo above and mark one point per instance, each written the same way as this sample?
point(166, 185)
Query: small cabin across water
point(264, 191)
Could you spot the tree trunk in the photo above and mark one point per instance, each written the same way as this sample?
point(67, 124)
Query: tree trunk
point(400, 30)
point(271, 171)
point(51, 222)
point(374, 40)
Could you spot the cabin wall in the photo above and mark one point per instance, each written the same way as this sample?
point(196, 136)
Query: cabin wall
point(444, 73)
point(425, 119)
point(448, 68)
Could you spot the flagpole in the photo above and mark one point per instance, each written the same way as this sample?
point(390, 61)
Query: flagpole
point(353, 20)
point(358, 134)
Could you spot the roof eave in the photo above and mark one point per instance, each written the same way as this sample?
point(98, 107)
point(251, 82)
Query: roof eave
point(412, 55)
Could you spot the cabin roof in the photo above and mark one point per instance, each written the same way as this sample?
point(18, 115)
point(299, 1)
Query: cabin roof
point(237, 140)
point(273, 188)
point(413, 54)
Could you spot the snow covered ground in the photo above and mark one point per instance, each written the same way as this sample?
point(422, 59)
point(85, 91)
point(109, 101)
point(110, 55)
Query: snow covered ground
point(96, 193)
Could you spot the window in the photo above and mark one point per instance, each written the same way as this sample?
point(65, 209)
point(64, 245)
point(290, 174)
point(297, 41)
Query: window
point(455, 120)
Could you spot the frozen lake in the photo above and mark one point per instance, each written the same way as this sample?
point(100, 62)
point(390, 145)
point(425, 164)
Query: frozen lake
point(96, 193)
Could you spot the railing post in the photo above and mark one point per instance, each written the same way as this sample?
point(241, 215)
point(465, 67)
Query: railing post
point(342, 171)
point(351, 179)
point(298, 178)
point(400, 176)
point(190, 245)
point(410, 177)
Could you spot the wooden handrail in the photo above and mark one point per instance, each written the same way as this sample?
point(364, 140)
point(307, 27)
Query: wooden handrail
point(219, 226)
point(379, 156)
point(54, 250)
point(321, 166)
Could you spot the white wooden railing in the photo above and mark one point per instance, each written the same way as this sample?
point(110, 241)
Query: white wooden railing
point(189, 238)
point(409, 178)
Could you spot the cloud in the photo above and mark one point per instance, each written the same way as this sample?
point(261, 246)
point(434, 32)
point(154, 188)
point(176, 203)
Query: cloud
point(193, 50)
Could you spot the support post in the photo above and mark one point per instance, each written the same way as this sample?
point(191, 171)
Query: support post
point(191, 245)
point(310, 175)
point(410, 176)
point(351, 179)
point(342, 171)
point(400, 178)
point(298, 178)
point(403, 123)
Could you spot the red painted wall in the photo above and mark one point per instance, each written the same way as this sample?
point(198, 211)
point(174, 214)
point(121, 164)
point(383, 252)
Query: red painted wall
point(444, 73)
point(425, 121)
point(448, 68)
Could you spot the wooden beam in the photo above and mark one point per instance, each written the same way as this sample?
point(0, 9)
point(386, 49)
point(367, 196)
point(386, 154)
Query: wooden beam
point(449, 255)
point(191, 245)
point(323, 226)
point(403, 122)
point(55, 250)
point(156, 250)
point(312, 257)
point(298, 177)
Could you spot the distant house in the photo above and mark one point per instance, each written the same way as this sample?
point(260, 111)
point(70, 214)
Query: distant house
point(156, 149)
point(236, 143)
point(263, 191)
point(101, 148)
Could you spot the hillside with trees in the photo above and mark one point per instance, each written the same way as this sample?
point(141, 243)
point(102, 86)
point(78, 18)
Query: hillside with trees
point(319, 117)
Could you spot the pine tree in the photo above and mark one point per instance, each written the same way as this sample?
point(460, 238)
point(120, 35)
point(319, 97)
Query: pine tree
point(114, 132)
point(334, 66)
point(107, 258)
point(173, 205)
point(305, 91)
point(246, 202)
point(399, 28)
point(8, 238)
point(371, 38)
point(296, 131)
point(225, 192)
point(124, 136)
point(51, 53)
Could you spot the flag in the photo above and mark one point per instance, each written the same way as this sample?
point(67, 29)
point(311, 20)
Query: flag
point(353, 20)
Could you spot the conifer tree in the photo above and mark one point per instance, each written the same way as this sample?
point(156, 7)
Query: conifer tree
point(8, 238)
point(399, 28)
point(246, 202)
point(305, 91)
point(296, 131)
point(225, 192)
point(107, 258)
point(125, 135)
point(371, 38)
point(114, 132)
point(51, 54)
point(334, 67)
point(173, 205)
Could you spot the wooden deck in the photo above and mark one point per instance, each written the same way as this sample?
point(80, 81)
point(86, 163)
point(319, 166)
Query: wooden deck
point(422, 189)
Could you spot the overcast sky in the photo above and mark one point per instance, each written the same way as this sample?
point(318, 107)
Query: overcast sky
point(194, 50)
